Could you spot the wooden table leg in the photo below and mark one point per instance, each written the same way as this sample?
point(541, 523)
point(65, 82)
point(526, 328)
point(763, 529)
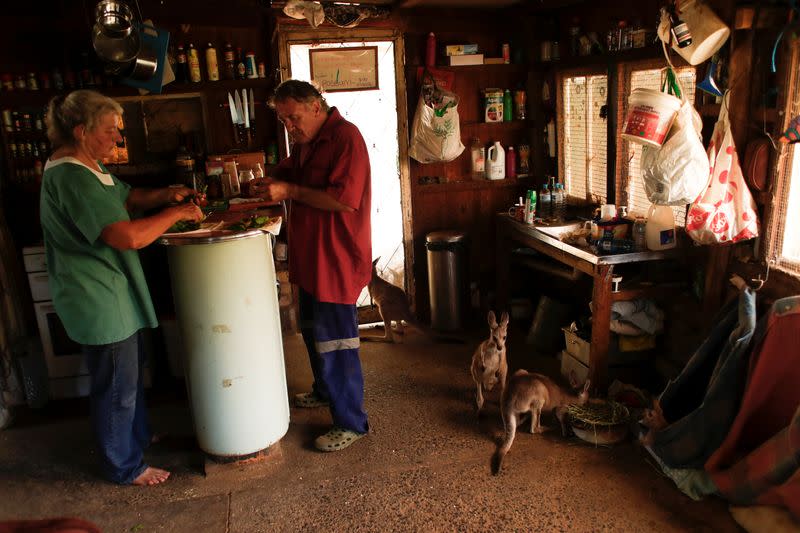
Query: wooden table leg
point(503, 268)
point(601, 324)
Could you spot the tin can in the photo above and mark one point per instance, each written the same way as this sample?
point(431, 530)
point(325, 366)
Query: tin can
point(251, 70)
point(493, 99)
point(506, 53)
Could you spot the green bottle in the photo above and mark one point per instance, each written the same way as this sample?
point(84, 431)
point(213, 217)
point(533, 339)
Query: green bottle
point(508, 106)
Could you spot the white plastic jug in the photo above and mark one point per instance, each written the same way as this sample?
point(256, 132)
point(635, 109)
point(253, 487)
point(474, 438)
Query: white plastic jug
point(495, 162)
point(660, 228)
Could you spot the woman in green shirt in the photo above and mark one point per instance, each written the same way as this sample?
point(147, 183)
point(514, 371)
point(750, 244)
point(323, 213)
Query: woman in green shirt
point(96, 278)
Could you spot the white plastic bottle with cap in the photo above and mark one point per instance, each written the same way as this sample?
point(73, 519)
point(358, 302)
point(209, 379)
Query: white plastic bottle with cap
point(660, 228)
point(496, 162)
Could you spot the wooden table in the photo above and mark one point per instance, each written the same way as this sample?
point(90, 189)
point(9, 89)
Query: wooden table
point(511, 233)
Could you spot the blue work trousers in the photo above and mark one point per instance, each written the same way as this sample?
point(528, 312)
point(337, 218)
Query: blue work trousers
point(118, 414)
point(330, 332)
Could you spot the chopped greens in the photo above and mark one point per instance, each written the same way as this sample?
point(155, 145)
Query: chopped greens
point(251, 222)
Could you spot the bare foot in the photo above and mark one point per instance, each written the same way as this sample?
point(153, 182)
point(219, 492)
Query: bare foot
point(151, 476)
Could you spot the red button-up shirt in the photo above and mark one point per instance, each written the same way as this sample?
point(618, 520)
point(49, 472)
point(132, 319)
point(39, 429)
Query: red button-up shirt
point(330, 253)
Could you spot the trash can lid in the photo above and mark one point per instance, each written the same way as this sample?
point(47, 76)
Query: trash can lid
point(446, 236)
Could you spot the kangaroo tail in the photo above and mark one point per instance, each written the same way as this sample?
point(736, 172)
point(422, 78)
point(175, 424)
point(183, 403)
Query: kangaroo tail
point(510, 423)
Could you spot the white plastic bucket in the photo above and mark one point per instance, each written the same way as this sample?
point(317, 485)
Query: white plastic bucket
point(709, 33)
point(660, 228)
point(650, 115)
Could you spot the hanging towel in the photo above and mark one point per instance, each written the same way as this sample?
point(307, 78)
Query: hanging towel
point(759, 461)
point(701, 403)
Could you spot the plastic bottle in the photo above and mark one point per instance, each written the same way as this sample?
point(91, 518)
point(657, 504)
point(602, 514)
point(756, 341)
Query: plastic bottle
point(258, 172)
point(241, 69)
point(660, 228)
point(212, 68)
point(430, 50)
point(496, 162)
point(511, 163)
point(508, 106)
point(639, 234)
point(530, 206)
point(558, 202)
point(545, 203)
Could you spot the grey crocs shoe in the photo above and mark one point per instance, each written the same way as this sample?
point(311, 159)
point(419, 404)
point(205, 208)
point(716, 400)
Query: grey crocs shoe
point(337, 439)
point(309, 399)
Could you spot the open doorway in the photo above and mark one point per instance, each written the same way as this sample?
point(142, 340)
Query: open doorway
point(379, 114)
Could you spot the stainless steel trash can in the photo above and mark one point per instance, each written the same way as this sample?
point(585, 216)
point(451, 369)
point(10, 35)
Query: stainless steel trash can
point(446, 277)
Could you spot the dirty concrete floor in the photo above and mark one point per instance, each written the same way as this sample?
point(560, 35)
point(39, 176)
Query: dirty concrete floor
point(424, 467)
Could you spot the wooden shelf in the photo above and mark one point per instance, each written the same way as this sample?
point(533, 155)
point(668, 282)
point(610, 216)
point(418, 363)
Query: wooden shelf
point(41, 97)
point(635, 54)
point(471, 185)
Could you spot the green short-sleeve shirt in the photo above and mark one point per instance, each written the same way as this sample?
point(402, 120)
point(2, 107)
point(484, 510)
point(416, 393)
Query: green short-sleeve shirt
point(99, 292)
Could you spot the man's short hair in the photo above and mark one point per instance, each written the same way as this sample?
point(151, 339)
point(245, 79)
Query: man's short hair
point(300, 91)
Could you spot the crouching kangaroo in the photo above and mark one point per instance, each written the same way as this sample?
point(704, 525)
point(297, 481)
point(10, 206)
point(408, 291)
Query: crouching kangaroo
point(489, 363)
point(393, 307)
point(534, 393)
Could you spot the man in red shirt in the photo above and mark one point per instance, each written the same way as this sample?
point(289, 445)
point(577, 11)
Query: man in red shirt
point(327, 177)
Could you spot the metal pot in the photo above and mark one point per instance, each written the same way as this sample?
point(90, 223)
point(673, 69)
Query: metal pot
point(114, 18)
point(118, 50)
point(145, 65)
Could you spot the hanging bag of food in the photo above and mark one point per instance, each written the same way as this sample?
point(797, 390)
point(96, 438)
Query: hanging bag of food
point(677, 172)
point(435, 131)
point(725, 211)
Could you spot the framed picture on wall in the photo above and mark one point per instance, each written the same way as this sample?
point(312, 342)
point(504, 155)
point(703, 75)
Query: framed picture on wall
point(345, 69)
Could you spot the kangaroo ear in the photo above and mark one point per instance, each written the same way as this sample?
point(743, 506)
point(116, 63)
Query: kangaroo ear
point(504, 318)
point(573, 380)
point(491, 319)
point(374, 263)
point(586, 386)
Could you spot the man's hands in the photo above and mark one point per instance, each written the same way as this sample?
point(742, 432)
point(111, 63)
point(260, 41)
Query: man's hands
point(271, 190)
point(188, 211)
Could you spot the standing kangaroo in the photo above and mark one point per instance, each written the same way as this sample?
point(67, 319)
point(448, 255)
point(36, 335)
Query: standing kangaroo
point(393, 307)
point(535, 393)
point(489, 363)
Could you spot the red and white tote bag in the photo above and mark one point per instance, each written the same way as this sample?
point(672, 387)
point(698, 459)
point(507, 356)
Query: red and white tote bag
point(725, 211)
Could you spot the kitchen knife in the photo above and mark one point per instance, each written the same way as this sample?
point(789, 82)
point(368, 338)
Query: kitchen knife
point(234, 118)
point(252, 114)
point(239, 114)
point(246, 114)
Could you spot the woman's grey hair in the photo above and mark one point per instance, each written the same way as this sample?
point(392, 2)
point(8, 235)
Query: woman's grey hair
point(301, 91)
point(77, 108)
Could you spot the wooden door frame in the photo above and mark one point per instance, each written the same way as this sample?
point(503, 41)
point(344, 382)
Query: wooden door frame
point(290, 34)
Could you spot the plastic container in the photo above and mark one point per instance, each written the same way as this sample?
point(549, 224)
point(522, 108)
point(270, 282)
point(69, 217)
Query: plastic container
point(650, 116)
point(496, 162)
point(660, 228)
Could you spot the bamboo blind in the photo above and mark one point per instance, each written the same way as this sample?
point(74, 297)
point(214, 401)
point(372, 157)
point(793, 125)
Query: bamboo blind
point(584, 137)
point(783, 229)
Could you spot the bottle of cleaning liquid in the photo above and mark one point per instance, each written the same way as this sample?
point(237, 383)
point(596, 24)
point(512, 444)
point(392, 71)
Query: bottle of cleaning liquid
point(511, 163)
point(660, 228)
point(559, 203)
point(496, 162)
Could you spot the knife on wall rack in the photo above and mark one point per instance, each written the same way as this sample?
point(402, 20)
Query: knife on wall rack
point(252, 115)
point(234, 119)
point(239, 116)
point(246, 108)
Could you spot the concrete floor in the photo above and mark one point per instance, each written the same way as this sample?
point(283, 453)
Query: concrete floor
point(424, 467)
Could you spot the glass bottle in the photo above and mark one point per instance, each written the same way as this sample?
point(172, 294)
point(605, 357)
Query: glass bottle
point(680, 30)
point(212, 68)
point(508, 106)
point(182, 65)
point(478, 159)
point(229, 69)
point(511, 163)
point(194, 64)
point(639, 234)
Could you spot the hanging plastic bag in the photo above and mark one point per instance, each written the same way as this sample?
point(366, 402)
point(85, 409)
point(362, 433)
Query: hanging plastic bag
point(725, 211)
point(435, 131)
point(676, 173)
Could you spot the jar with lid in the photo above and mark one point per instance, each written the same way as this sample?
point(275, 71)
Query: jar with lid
point(478, 159)
point(245, 177)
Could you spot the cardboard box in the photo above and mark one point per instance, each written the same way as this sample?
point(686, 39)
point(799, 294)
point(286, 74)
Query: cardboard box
point(494, 61)
point(460, 49)
point(619, 352)
point(467, 59)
